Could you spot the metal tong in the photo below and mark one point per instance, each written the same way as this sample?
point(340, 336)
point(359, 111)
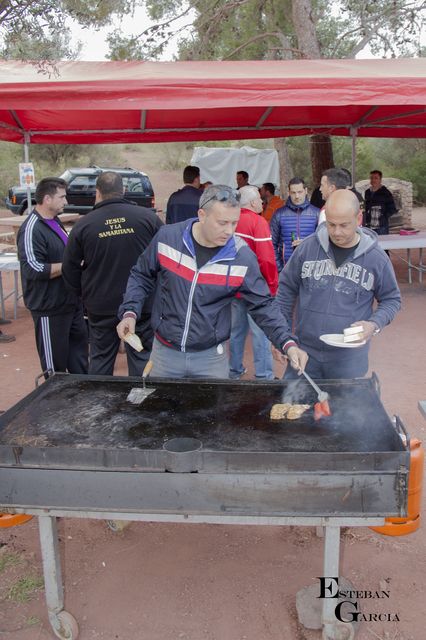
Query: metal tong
point(322, 395)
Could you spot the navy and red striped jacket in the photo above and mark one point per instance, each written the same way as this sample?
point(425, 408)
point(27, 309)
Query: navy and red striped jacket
point(192, 307)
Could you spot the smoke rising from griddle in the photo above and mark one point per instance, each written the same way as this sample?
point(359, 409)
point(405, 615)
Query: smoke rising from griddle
point(296, 392)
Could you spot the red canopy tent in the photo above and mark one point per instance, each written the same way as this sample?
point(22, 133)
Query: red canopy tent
point(107, 102)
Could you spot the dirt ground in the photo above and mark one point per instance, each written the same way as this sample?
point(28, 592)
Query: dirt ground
point(214, 582)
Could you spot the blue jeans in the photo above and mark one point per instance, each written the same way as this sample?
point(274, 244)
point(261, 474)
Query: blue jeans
point(169, 363)
point(353, 366)
point(241, 323)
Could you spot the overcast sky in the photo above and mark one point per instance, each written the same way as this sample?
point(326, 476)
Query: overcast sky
point(95, 46)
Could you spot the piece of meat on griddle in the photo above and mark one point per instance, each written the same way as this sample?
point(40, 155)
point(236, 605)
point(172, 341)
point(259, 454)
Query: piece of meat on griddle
point(288, 411)
point(296, 411)
point(278, 411)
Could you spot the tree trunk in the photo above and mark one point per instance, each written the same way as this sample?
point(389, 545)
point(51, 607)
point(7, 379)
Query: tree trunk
point(321, 157)
point(280, 144)
point(286, 170)
point(307, 40)
point(305, 29)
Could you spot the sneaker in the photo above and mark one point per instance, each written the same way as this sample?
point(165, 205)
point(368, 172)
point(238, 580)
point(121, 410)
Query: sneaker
point(4, 321)
point(5, 338)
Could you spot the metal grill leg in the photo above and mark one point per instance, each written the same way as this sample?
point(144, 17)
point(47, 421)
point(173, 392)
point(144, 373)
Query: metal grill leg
point(3, 310)
point(63, 623)
point(331, 569)
point(51, 563)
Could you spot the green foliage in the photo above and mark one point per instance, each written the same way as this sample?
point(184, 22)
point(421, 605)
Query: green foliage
point(217, 30)
point(388, 28)
point(52, 160)
point(124, 48)
point(365, 155)
point(10, 155)
point(263, 29)
point(158, 10)
point(415, 172)
point(298, 150)
point(9, 560)
point(25, 588)
point(97, 14)
point(38, 30)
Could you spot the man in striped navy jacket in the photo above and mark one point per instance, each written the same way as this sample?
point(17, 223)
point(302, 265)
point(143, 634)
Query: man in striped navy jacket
point(60, 329)
point(197, 267)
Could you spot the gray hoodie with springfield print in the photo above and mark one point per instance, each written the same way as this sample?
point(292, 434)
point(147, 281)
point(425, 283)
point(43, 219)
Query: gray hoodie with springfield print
point(328, 298)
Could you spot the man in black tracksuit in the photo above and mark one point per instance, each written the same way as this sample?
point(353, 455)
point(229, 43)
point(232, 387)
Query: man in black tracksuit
point(61, 333)
point(102, 249)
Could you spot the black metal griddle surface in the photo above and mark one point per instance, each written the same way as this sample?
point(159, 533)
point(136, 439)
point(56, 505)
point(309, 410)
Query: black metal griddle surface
point(84, 411)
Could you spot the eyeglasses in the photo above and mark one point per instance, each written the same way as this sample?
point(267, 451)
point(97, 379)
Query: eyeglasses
point(223, 196)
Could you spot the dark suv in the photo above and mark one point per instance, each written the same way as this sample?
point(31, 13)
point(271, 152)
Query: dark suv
point(81, 190)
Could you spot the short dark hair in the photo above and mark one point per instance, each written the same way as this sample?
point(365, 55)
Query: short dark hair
point(48, 187)
point(378, 173)
point(190, 173)
point(347, 173)
point(268, 186)
point(337, 177)
point(244, 174)
point(297, 180)
point(110, 184)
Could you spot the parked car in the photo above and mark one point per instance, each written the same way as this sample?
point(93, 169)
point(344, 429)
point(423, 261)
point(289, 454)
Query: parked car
point(81, 190)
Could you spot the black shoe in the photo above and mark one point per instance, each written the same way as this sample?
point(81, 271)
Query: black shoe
point(3, 321)
point(5, 338)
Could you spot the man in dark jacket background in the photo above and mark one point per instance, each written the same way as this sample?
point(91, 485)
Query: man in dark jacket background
point(379, 204)
point(60, 329)
point(102, 248)
point(183, 204)
point(293, 222)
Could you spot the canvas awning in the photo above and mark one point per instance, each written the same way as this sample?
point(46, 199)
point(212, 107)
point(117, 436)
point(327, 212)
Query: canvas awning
point(107, 102)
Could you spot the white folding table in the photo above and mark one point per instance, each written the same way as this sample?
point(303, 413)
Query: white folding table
point(9, 262)
point(394, 241)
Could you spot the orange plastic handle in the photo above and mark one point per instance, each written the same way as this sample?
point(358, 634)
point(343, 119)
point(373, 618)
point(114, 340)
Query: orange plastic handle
point(13, 519)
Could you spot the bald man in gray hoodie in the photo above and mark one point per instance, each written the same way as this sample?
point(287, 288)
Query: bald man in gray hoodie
point(333, 279)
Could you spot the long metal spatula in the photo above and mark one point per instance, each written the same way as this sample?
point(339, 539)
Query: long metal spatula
point(322, 395)
point(138, 394)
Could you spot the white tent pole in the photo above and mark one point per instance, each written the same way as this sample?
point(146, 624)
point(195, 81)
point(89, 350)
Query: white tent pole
point(353, 136)
point(26, 147)
point(27, 159)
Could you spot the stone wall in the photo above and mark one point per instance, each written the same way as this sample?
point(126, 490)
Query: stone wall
point(402, 192)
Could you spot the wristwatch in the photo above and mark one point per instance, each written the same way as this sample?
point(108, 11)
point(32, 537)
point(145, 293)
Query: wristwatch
point(376, 330)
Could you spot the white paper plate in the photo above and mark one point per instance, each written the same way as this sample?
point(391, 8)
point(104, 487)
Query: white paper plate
point(336, 340)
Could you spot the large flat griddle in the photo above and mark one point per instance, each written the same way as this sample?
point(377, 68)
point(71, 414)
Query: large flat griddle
point(221, 430)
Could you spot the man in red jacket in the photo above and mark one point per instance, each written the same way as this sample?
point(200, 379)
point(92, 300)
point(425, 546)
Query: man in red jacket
point(254, 229)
